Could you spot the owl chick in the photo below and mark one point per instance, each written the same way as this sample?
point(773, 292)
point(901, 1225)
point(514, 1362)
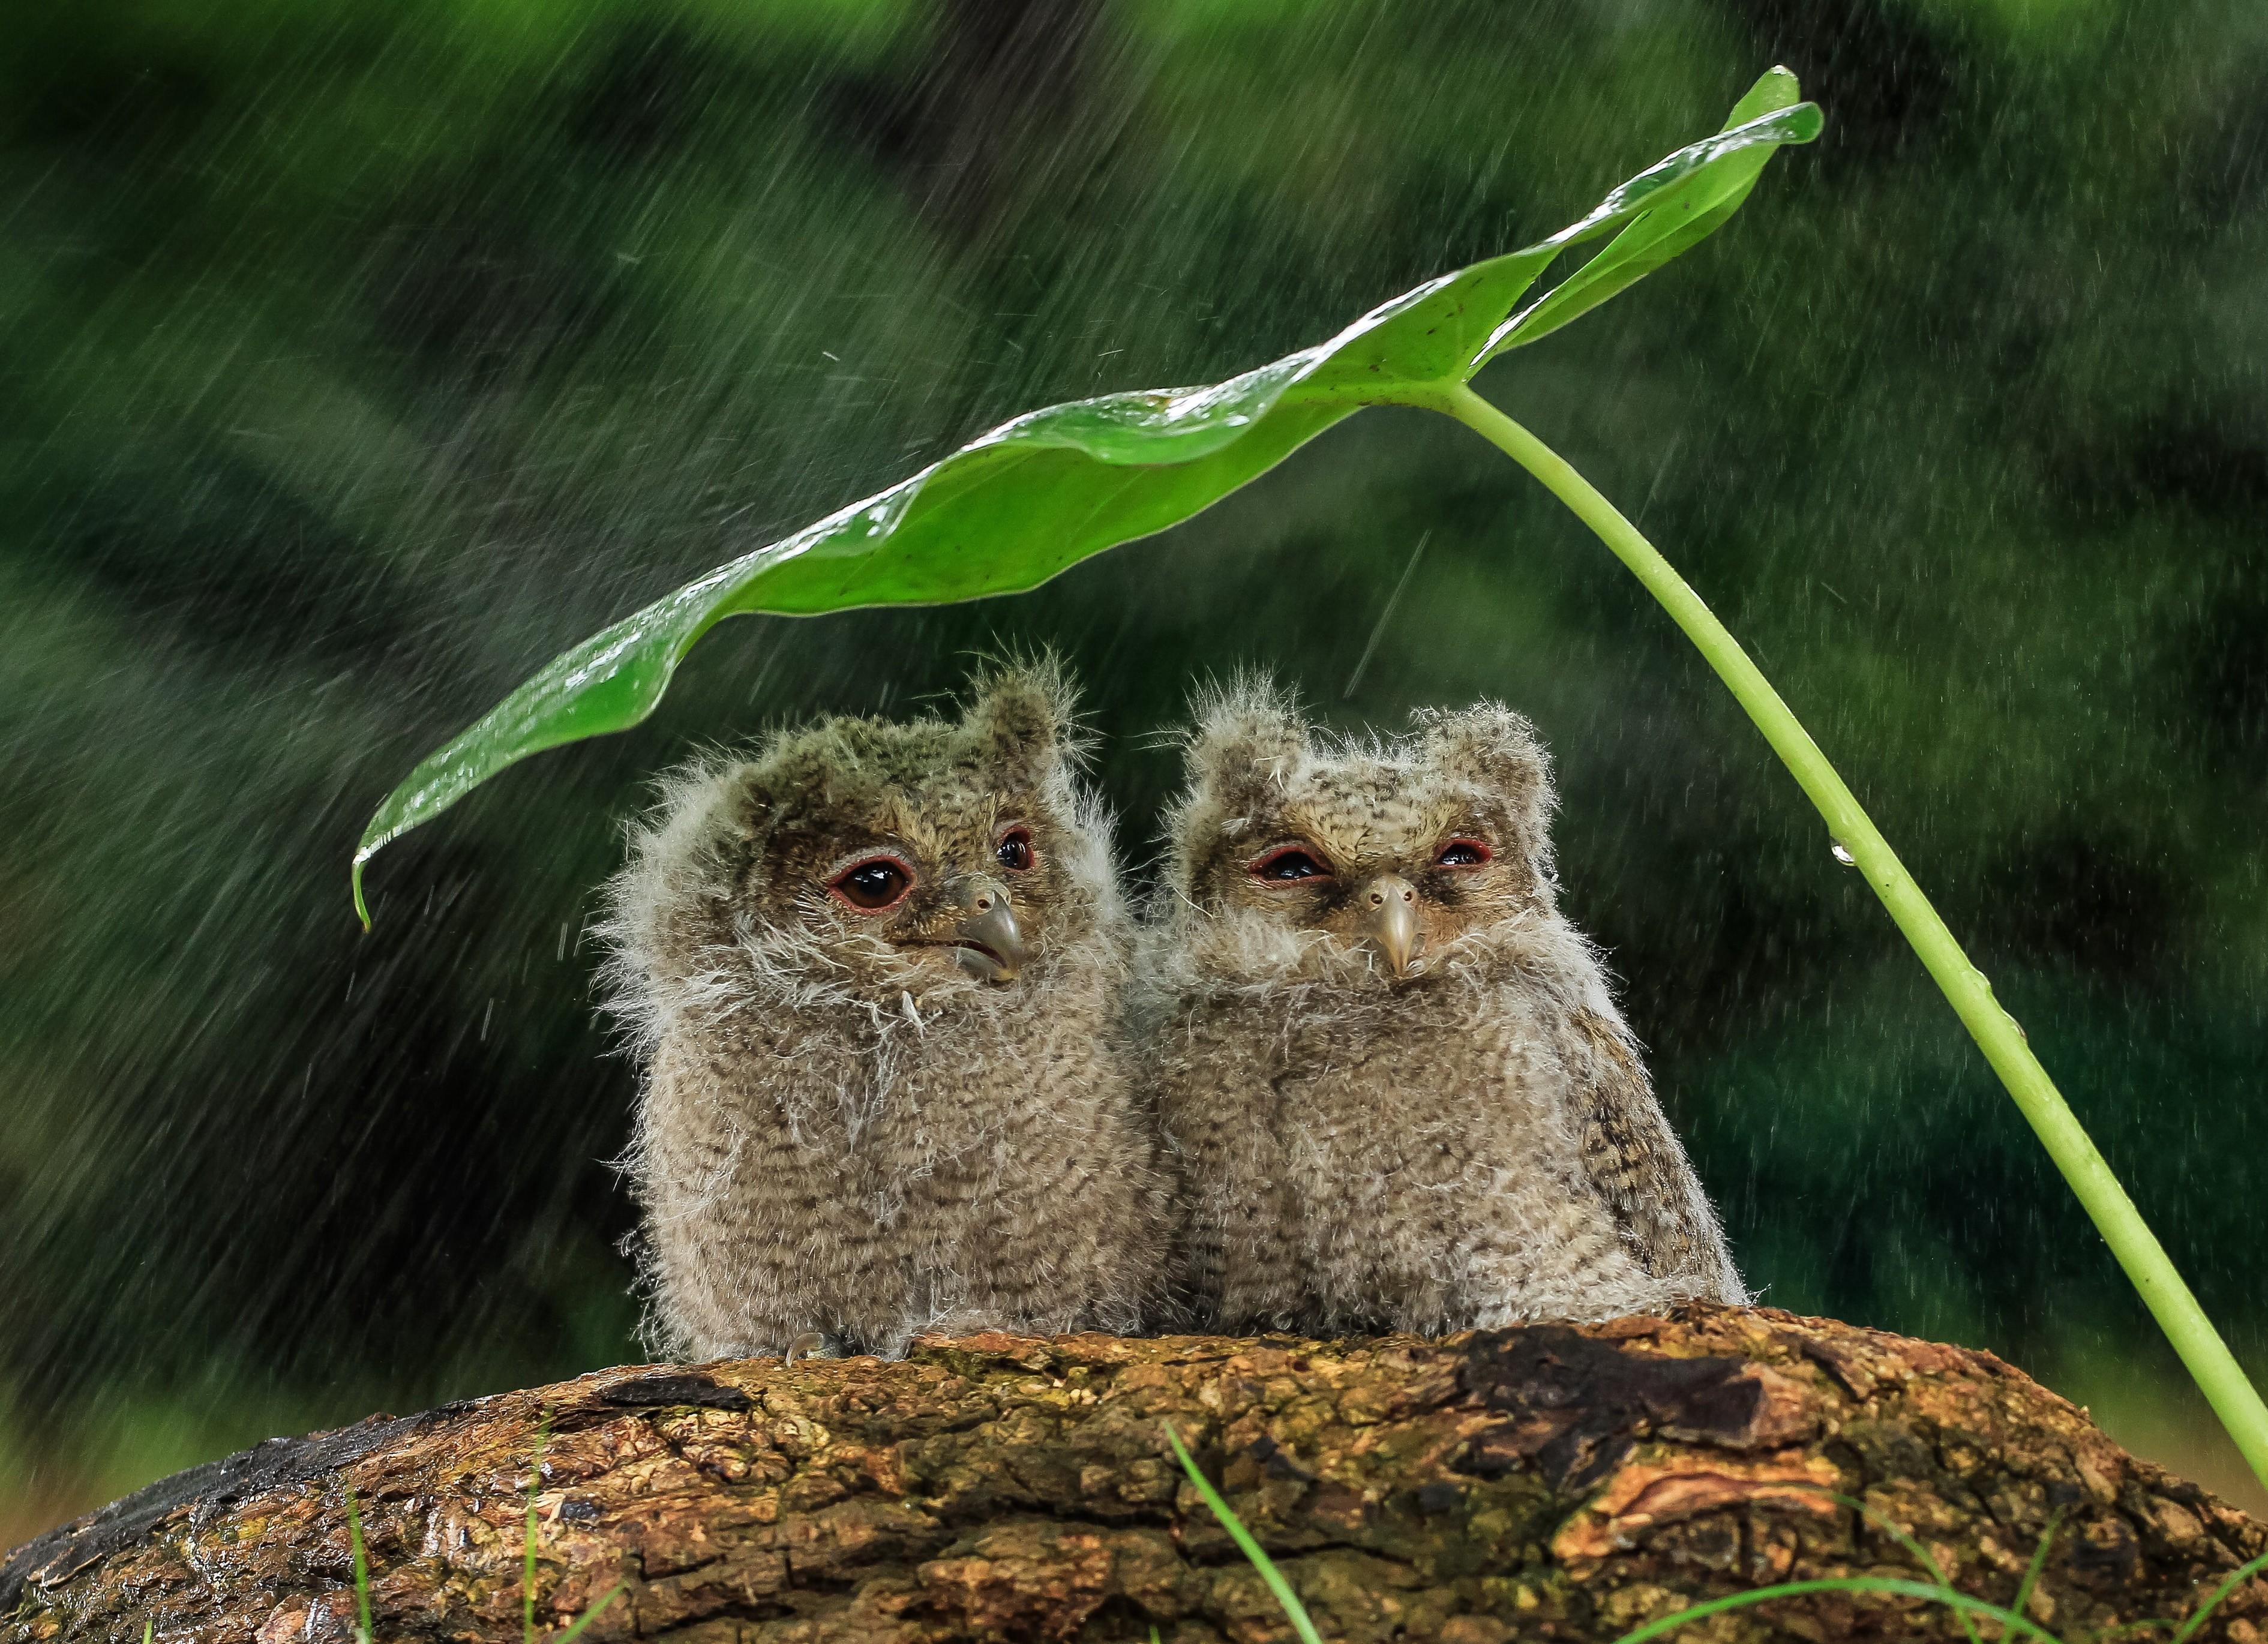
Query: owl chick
point(873, 977)
point(1401, 1093)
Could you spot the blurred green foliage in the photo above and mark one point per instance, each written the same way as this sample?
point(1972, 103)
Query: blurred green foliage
point(361, 357)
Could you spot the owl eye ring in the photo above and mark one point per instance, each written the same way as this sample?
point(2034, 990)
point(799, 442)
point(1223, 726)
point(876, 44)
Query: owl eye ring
point(1464, 852)
point(873, 884)
point(1289, 864)
point(1014, 851)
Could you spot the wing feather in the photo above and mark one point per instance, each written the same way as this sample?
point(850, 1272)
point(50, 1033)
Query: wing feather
point(1639, 1167)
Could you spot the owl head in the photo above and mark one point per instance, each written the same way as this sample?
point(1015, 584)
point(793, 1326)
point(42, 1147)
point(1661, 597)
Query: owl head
point(924, 863)
point(1295, 853)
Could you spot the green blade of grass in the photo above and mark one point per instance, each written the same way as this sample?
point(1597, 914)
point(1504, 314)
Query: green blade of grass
point(591, 1614)
point(2011, 1619)
point(2237, 1578)
point(527, 1576)
point(1921, 1554)
point(527, 1561)
point(2039, 1563)
point(1293, 1609)
point(363, 1628)
point(1951, 1597)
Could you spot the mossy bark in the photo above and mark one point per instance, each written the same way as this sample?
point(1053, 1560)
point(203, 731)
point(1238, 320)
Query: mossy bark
point(1542, 1483)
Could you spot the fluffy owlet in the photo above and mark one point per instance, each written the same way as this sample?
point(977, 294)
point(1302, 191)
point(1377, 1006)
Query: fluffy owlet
point(1402, 1096)
point(874, 976)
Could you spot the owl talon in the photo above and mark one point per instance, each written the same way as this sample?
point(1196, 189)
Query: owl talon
point(810, 1344)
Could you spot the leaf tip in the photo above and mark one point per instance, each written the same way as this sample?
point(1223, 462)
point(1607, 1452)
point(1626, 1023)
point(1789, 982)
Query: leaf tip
point(1778, 92)
point(1776, 88)
point(361, 908)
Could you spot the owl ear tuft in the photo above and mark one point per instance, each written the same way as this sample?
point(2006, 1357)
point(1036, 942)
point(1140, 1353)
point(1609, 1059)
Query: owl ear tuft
point(1247, 731)
point(1024, 716)
point(1490, 745)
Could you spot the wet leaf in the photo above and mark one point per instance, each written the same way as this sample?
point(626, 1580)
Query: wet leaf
point(1038, 494)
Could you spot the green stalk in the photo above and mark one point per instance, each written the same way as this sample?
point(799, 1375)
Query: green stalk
point(2234, 1398)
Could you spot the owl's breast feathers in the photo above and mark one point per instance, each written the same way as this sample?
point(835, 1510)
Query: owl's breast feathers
point(1521, 1083)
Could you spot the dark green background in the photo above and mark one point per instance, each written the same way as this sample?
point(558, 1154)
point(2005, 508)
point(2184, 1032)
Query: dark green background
point(358, 358)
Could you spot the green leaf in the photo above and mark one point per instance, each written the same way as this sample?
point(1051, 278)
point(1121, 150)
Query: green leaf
point(1037, 495)
point(1679, 223)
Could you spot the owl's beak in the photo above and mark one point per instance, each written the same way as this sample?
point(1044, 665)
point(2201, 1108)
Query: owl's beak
point(987, 944)
point(1387, 908)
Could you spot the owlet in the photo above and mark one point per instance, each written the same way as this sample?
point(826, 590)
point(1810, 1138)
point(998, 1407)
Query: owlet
point(1403, 1096)
point(873, 977)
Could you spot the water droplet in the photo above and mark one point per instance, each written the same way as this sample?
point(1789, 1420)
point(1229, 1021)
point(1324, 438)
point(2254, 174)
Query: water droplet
point(1842, 853)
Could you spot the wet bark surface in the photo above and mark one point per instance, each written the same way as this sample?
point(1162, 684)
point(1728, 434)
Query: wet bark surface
point(1549, 1482)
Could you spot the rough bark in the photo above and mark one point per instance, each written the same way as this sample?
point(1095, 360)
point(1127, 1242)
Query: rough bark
point(1543, 1483)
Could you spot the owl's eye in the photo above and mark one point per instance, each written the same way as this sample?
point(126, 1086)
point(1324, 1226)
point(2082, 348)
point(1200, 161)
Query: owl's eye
point(1014, 850)
point(1289, 862)
point(875, 885)
point(1463, 853)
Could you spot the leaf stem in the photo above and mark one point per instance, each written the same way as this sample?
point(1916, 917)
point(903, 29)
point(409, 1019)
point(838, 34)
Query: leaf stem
point(2234, 1398)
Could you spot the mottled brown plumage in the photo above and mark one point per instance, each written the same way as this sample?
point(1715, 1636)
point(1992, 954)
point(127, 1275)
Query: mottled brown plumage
point(873, 977)
point(1401, 1094)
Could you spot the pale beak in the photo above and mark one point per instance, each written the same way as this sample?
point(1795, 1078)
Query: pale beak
point(1387, 908)
point(987, 944)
